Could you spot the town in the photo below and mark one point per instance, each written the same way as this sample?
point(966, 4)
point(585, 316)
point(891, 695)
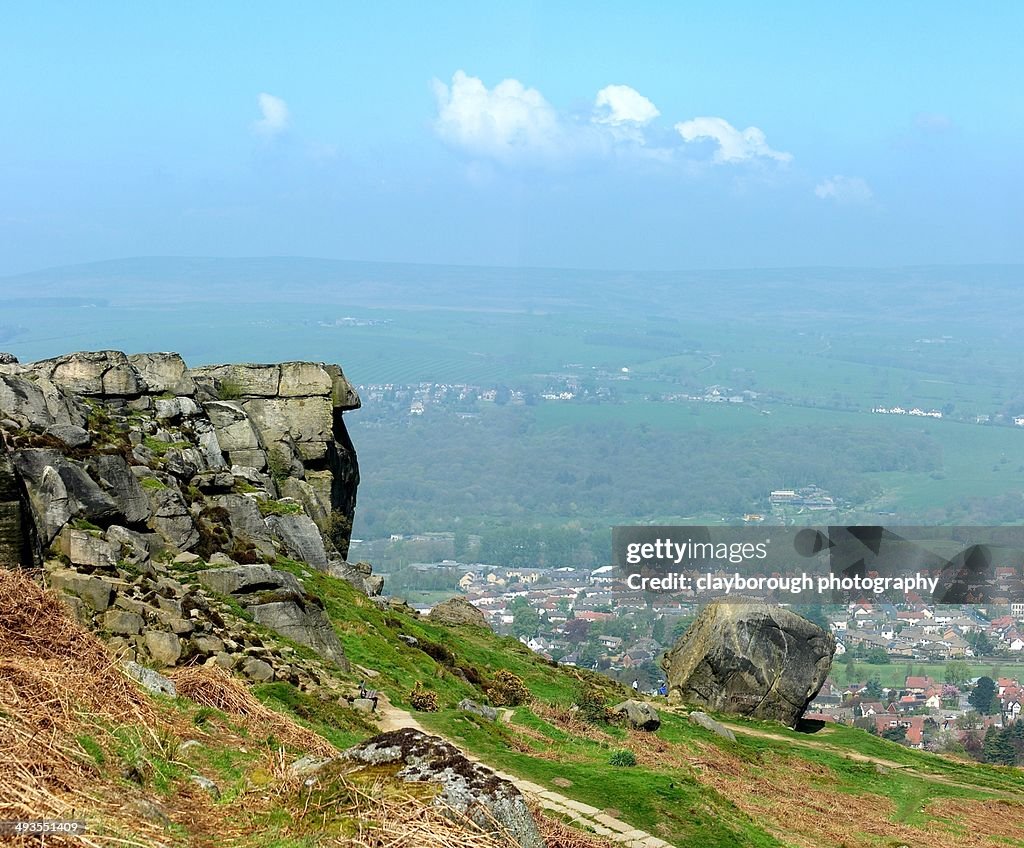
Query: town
point(935, 677)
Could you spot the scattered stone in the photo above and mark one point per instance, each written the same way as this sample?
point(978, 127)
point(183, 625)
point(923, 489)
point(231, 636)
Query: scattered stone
point(308, 765)
point(86, 549)
point(95, 592)
point(163, 373)
point(205, 784)
point(563, 782)
point(170, 517)
point(122, 622)
point(702, 719)
point(150, 680)
point(208, 644)
point(363, 705)
point(148, 810)
point(482, 710)
point(186, 558)
point(70, 435)
point(305, 624)
point(411, 641)
point(301, 537)
point(248, 579)
point(257, 670)
point(164, 648)
point(639, 714)
point(750, 658)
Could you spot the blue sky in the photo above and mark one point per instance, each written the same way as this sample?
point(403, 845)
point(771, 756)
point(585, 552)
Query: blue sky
point(641, 135)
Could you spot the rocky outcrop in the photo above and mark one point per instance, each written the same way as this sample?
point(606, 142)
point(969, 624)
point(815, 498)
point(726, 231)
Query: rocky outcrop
point(118, 471)
point(457, 612)
point(277, 600)
point(466, 788)
point(750, 658)
point(144, 442)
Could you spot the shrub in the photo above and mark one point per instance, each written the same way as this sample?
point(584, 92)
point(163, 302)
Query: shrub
point(423, 700)
point(591, 703)
point(622, 758)
point(279, 464)
point(437, 652)
point(507, 690)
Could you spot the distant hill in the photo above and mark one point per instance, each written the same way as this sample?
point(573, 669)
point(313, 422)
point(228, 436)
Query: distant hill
point(987, 293)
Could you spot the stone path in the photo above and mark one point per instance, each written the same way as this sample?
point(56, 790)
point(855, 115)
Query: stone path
point(583, 815)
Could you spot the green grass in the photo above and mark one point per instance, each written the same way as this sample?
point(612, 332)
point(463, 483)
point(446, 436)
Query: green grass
point(666, 800)
point(271, 507)
point(895, 673)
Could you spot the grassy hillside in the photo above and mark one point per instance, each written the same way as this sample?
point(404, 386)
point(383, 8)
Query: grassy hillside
point(80, 741)
point(773, 786)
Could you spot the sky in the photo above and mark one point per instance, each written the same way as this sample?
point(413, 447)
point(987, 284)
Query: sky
point(593, 135)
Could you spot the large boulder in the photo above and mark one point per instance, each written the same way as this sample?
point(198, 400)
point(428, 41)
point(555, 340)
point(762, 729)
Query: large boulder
point(750, 658)
point(248, 580)
point(104, 373)
point(305, 623)
point(456, 612)
point(638, 715)
point(301, 537)
point(164, 373)
point(466, 788)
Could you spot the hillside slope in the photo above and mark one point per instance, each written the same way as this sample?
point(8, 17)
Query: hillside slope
point(196, 522)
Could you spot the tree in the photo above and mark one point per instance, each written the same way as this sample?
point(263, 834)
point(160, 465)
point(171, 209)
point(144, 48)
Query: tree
point(878, 656)
point(957, 673)
point(874, 688)
point(997, 748)
point(681, 627)
point(984, 698)
point(980, 644)
point(895, 734)
point(658, 630)
point(525, 619)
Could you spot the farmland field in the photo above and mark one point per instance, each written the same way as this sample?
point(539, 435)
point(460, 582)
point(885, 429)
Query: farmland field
point(812, 362)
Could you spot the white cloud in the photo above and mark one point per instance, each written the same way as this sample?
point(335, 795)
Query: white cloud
point(275, 115)
point(844, 189)
point(620, 104)
point(504, 122)
point(733, 145)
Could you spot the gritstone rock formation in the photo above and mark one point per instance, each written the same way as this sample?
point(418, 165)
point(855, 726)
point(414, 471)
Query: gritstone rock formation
point(750, 658)
point(466, 788)
point(119, 472)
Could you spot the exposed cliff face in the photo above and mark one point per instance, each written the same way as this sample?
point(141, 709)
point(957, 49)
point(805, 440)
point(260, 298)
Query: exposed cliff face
point(128, 477)
point(199, 457)
point(16, 538)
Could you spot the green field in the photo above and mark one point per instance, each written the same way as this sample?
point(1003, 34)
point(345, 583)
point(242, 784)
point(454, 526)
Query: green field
point(813, 344)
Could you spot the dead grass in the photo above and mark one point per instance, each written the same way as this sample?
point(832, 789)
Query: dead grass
point(59, 683)
point(792, 799)
point(211, 686)
point(557, 834)
point(55, 680)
